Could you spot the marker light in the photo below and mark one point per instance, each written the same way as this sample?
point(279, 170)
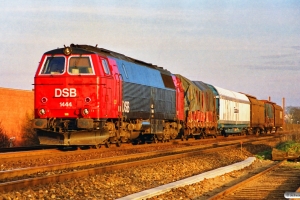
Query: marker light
point(44, 100)
point(87, 99)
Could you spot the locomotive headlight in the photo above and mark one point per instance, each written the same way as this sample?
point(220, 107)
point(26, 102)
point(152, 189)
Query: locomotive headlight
point(42, 111)
point(85, 111)
point(67, 51)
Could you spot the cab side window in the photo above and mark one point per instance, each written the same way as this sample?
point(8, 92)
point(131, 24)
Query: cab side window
point(105, 67)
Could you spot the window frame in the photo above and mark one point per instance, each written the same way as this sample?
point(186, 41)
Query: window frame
point(105, 67)
point(81, 74)
point(44, 62)
point(125, 70)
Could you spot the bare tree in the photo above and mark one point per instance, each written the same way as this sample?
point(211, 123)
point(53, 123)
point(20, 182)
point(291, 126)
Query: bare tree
point(29, 134)
point(293, 115)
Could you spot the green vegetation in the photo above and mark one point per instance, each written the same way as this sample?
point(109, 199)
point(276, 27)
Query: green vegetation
point(265, 155)
point(289, 146)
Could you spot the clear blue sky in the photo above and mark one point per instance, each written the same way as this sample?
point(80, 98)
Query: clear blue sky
point(245, 46)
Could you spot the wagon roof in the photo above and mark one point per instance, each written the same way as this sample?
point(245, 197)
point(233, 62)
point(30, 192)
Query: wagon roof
point(231, 94)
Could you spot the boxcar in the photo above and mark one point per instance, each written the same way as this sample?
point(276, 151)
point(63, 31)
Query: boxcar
point(233, 111)
point(257, 116)
point(273, 117)
point(199, 110)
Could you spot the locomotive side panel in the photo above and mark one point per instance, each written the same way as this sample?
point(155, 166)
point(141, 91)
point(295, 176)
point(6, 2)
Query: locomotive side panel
point(146, 93)
point(109, 88)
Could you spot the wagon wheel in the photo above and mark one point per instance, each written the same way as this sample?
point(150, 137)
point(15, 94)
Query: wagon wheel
point(257, 132)
point(203, 134)
point(187, 138)
point(182, 137)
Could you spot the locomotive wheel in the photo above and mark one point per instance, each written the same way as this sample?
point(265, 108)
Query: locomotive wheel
point(118, 143)
point(107, 144)
point(124, 140)
point(142, 141)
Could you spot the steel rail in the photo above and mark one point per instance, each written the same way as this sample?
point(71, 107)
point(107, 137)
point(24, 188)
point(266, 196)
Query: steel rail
point(241, 184)
point(19, 184)
point(12, 156)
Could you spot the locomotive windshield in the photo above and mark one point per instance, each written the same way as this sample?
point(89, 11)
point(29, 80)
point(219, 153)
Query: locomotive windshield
point(54, 65)
point(80, 65)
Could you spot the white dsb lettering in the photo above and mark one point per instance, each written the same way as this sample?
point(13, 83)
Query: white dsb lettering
point(65, 92)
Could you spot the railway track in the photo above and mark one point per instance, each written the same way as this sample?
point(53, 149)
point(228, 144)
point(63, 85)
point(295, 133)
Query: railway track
point(116, 175)
point(19, 178)
point(31, 148)
point(272, 183)
point(35, 153)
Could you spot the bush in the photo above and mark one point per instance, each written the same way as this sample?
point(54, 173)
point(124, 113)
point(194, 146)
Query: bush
point(4, 139)
point(289, 146)
point(29, 137)
point(265, 155)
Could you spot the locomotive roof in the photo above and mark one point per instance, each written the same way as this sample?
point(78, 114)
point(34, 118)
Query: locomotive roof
point(87, 49)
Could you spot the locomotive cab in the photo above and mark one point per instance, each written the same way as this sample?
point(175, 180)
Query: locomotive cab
point(75, 92)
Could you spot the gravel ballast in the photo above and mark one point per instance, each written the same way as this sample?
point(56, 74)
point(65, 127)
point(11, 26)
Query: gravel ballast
point(128, 181)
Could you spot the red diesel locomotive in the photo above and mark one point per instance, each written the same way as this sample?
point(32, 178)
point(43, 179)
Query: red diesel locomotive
point(86, 95)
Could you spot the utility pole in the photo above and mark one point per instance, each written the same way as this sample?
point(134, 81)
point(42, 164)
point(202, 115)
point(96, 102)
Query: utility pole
point(283, 110)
